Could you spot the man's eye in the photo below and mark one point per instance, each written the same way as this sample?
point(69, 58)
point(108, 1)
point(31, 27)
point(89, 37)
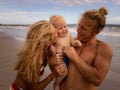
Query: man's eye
point(83, 28)
point(65, 26)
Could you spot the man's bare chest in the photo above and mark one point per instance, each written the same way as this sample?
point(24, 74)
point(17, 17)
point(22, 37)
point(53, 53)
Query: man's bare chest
point(88, 54)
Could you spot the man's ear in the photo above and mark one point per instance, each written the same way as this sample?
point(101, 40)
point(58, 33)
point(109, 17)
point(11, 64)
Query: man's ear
point(97, 31)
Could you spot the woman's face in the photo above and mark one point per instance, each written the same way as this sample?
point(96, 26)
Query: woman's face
point(54, 34)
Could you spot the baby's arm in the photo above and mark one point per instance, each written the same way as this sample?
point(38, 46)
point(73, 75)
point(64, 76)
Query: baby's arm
point(58, 80)
point(75, 43)
point(56, 59)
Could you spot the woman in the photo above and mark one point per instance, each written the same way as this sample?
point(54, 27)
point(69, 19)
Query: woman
point(33, 58)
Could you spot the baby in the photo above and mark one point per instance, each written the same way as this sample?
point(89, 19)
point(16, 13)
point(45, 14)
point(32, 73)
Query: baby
point(64, 39)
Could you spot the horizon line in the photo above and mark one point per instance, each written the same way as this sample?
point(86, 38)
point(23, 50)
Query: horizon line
point(67, 24)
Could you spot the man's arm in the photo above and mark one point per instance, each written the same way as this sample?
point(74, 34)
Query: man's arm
point(96, 73)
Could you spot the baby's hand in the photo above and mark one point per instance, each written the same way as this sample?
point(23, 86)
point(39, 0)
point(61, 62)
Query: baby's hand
point(77, 43)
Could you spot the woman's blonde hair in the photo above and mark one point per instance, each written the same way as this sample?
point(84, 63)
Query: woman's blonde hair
point(32, 55)
point(98, 15)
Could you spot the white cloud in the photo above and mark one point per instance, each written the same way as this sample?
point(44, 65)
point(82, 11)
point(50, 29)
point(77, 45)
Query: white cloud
point(59, 2)
point(114, 20)
point(21, 17)
point(79, 2)
point(10, 16)
point(62, 2)
point(73, 2)
point(116, 1)
point(31, 1)
point(49, 0)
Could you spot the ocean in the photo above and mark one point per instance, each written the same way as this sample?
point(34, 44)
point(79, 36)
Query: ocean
point(110, 34)
point(19, 32)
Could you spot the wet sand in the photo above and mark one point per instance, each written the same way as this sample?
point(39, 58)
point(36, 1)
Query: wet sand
point(10, 46)
point(8, 52)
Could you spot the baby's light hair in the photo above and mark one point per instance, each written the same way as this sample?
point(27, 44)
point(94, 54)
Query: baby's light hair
point(55, 18)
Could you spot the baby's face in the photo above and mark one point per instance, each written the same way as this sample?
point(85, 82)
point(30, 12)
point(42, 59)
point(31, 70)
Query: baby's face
point(61, 28)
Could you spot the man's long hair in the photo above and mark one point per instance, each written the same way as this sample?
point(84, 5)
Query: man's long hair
point(98, 15)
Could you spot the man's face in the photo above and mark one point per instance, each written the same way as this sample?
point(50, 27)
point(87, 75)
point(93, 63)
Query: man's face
point(86, 29)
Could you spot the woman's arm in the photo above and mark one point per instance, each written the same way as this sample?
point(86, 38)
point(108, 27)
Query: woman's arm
point(58, 71)
point(42, 84)
point(20, 82)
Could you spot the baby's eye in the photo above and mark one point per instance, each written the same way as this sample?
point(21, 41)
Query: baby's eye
point(60, 28)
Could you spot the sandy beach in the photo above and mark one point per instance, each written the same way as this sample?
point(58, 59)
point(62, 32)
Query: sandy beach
point(8, 51)
point(10, 46)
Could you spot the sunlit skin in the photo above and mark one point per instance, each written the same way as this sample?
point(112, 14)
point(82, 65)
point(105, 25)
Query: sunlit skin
point(42, 35)
point(62, 28)
point(89, 63)
point(85, 29)
point(64, 36)
point(64, 39)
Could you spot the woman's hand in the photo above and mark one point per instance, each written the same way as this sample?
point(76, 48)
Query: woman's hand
point(56, 59)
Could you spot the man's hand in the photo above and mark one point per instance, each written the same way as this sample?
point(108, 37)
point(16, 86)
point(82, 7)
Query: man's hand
point(70, 52)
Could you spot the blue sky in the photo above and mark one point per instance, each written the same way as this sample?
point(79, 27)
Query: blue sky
point(30, 11)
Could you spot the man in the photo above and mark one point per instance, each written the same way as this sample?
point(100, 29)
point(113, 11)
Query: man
point(88, 65)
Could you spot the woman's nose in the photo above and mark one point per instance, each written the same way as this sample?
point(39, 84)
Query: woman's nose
point(56, 34)
point(78, 30)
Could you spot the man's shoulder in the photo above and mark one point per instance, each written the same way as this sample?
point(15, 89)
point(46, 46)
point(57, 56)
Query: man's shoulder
point(103, 44)
point(104, 47)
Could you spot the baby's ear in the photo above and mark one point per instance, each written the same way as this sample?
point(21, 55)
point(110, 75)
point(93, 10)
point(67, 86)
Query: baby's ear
point(77, 43)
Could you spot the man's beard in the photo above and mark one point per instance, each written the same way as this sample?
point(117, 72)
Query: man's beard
point(87, 39)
